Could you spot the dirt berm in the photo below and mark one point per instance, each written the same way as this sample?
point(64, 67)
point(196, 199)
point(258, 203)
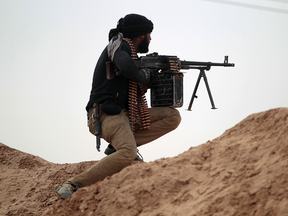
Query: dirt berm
point(242, 172)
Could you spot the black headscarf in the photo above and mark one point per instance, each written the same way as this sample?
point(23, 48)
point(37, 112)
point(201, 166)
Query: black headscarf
point(132, 25)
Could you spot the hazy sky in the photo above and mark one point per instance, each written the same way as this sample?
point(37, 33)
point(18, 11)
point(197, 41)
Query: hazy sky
point(49, 48)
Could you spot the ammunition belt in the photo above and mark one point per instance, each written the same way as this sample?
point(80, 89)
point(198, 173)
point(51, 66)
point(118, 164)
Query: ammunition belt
point(137, 103)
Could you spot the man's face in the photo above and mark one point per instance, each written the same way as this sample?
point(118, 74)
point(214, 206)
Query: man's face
point(144, 45)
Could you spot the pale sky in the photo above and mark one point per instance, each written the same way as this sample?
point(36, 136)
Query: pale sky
point(49, 48)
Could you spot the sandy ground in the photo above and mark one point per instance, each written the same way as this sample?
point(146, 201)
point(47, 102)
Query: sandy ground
point(242, 172)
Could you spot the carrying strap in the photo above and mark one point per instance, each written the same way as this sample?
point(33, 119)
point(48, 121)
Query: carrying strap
point(114, 45)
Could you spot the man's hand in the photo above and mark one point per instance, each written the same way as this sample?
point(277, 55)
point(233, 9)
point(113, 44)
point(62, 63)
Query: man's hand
point(147, 73)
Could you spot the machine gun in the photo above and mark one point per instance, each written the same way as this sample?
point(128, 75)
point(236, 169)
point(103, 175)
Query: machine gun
point(167, 80)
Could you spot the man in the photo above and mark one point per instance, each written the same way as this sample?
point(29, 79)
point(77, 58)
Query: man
point(126, 121)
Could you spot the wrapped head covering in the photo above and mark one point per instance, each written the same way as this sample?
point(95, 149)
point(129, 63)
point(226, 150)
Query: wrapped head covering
point(132, 25)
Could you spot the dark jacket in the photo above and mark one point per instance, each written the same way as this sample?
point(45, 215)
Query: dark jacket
point(117, 88)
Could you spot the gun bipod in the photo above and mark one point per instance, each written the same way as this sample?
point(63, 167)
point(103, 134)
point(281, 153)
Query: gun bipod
point(202, 74)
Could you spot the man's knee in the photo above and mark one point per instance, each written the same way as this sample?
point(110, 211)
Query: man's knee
point(175, 118)
point(127, 154)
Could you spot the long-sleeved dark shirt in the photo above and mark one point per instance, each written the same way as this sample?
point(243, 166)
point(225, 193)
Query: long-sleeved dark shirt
point(116, 88)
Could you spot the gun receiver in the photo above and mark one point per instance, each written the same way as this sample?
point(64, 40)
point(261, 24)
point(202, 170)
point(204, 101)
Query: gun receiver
point(166, 69)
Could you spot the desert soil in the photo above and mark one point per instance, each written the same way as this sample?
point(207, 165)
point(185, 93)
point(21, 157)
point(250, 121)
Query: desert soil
point(242, 172)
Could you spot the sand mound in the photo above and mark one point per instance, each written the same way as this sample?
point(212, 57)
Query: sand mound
point(242, 172)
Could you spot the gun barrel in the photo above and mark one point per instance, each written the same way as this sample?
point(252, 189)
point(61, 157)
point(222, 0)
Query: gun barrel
point(196, 64)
